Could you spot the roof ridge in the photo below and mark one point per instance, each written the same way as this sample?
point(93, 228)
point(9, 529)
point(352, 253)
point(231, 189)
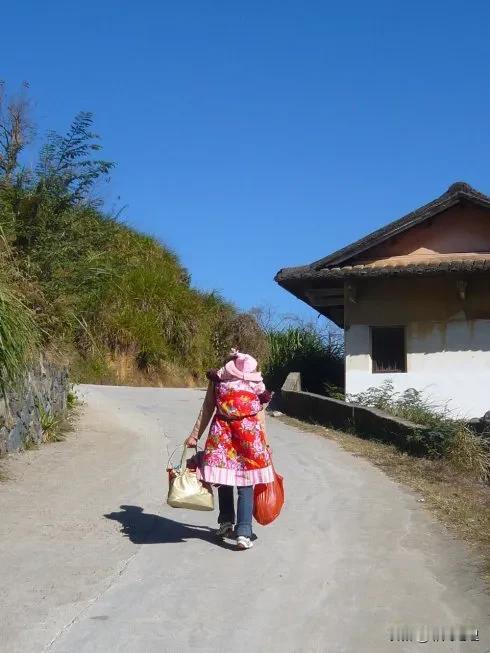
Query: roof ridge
point(455, 193)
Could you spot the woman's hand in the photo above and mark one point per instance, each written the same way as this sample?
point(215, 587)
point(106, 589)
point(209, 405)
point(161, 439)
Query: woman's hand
point(191, 441)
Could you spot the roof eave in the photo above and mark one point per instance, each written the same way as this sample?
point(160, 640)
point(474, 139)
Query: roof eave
point(298, 279)
point(297, 288)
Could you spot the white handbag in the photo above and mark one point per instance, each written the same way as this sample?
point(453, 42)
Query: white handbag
point(185, 490)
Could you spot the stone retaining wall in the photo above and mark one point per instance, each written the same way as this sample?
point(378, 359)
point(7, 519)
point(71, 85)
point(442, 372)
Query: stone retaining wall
point(44, 388)
point(343, 415)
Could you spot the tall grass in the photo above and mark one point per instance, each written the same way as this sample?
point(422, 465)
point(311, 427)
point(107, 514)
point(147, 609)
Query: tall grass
point(317, 355)
point(18, 336)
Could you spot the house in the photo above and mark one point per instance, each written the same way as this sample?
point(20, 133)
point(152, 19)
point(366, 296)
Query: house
point(414, 301)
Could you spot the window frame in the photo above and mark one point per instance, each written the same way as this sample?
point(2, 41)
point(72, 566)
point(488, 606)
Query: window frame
point(401, 327)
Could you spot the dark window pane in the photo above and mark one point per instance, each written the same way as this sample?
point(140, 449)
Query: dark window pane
point(388, 349)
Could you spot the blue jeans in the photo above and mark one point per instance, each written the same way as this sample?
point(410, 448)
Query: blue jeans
point(245, 505)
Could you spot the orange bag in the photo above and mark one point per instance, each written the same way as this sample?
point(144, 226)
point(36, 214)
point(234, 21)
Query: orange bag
point(268, 500)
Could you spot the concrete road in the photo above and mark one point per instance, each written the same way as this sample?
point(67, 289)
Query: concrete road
point(94, 561)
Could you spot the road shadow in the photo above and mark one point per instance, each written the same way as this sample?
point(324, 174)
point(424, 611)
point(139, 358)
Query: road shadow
point(146, 528)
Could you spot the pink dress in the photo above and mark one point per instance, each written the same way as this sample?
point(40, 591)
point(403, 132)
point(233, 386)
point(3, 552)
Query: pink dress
point(235, 452)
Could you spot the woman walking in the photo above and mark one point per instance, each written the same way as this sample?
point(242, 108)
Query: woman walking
point(236, 453)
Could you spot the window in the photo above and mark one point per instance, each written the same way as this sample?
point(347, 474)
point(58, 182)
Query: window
point(388, 350)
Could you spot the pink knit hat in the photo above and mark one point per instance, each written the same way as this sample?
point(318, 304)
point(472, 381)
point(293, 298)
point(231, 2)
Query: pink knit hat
point(241, 366)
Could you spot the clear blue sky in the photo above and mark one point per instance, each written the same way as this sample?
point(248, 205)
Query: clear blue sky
point(252, 135)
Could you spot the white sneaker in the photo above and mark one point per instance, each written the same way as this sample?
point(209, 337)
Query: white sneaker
point(243, 542)
point(225, 530)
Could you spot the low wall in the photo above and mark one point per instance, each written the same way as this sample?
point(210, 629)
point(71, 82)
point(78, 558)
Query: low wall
point(44, 388)
point(368, 422)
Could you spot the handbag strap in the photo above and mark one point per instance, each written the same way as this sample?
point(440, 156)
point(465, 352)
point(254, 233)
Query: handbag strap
point(183, 459)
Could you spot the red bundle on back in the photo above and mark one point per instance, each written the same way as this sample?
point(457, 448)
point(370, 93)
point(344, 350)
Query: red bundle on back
point(268, 500)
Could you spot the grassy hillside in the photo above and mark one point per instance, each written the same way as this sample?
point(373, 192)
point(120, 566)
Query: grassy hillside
point(116, 304)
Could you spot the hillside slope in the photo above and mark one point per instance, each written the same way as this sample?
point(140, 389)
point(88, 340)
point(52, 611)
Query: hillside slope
point(117, 305)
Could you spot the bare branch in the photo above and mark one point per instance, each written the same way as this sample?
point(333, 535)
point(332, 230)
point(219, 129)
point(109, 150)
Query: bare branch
point(16, 132)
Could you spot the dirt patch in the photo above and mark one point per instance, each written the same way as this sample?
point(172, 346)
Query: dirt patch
point(460, 503)
point(122, 369)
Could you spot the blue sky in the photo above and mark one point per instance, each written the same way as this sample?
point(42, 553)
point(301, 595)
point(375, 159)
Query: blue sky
point(251, 136)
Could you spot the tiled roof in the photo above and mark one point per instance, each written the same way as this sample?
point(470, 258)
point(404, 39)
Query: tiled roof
point(398, 266)
point(332, 264)
point(331, 271)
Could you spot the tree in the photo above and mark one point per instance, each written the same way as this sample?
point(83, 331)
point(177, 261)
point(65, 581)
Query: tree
point(65, 166)
point(16, 132)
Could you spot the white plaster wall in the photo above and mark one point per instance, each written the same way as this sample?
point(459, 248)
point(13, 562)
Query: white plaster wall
point(450, 362)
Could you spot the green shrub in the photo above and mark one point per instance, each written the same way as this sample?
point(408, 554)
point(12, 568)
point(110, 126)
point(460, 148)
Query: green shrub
point(72, 399)
point(50, 425)
point(445, 436)
point(334, 391)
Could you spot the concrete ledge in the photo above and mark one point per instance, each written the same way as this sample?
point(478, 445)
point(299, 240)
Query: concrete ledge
point(367, 422)
point(292, 382)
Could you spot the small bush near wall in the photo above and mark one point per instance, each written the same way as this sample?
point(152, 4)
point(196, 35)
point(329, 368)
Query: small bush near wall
point(414, 406)
point(443, 436)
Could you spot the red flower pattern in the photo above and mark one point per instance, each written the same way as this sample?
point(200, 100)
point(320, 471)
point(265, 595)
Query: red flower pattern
point(236, 439)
